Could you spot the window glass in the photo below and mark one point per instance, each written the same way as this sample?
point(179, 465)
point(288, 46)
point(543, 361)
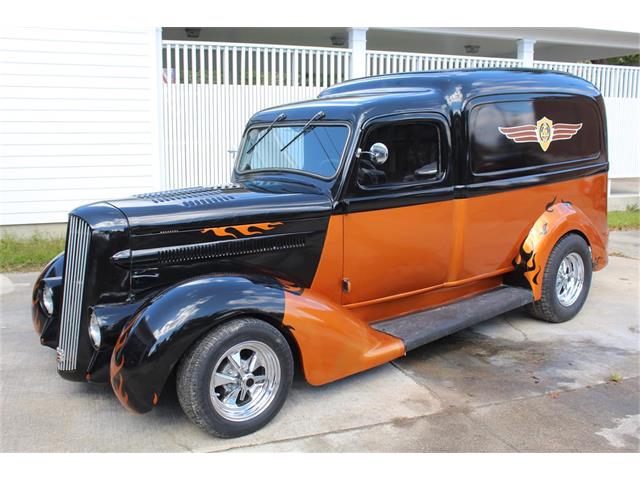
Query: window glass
point(317, 151)
point(520, 134)
point(414, 154)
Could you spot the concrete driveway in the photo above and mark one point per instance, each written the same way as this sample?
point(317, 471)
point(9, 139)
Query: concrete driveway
point(510, 384)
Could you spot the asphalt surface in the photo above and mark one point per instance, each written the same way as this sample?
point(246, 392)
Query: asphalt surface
point(510, 384)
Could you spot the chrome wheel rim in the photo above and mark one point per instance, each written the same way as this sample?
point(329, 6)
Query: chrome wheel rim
point(245, 381)
point(570, 279)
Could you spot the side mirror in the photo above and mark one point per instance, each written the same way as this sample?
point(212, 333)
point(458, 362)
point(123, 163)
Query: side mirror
point(379, 153)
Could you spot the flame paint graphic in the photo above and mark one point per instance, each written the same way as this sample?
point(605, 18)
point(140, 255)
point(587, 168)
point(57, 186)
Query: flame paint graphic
point(117, 362)
point(526, 260)
point(291, 287)
point(242, 230)
point(36, 315)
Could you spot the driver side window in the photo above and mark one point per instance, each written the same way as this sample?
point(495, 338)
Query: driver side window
point(414, 154)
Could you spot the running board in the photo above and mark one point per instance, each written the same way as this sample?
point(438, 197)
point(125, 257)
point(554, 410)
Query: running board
point(420, 328)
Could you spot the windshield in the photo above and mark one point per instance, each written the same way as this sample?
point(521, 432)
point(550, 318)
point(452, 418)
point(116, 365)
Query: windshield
point(316, 150)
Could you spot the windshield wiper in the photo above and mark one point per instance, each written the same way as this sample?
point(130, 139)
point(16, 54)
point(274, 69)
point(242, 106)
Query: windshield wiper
point(306, 127)
point(280, 117)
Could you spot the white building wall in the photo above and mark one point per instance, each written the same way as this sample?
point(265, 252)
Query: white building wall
point(78, 119)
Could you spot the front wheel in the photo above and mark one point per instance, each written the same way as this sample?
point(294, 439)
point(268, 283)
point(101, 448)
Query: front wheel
point(236, 379)
point(566, 281)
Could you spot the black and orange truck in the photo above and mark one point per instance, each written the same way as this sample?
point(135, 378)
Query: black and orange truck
point(387, 213)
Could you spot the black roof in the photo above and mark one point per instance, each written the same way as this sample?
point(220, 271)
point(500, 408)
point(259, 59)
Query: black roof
point(470, 82)
point(445, 91)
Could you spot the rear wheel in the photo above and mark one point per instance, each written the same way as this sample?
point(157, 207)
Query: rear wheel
point(236, 379)
point(566, 281)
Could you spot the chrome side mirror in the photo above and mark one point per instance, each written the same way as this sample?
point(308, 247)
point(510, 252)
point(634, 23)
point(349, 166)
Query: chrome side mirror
point(379, 153)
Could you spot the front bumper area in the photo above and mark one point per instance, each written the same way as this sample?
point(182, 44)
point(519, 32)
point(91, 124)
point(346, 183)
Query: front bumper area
point(81, 279)
point(112, 318)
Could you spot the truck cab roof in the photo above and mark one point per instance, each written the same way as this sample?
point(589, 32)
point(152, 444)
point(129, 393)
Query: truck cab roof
point(445, 92)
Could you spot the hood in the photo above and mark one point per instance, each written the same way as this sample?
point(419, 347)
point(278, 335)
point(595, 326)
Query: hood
point(207, 207)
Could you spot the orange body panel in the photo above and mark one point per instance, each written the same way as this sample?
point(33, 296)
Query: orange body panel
point(408, 259)
point(496, 225)
point(333, 343)
point(396, 250)
point(328, 278)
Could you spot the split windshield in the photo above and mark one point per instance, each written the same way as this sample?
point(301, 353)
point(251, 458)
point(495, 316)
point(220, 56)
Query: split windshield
point(316, 150)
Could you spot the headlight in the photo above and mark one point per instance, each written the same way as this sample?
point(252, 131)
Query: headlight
point(47, 299)
point(94, 331)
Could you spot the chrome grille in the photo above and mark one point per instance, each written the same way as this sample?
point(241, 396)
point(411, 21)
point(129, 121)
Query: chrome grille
point(78, 236)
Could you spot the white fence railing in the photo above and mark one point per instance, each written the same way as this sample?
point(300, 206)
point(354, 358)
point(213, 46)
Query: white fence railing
point(211, 89)
point(611, 80)
point(381, 62)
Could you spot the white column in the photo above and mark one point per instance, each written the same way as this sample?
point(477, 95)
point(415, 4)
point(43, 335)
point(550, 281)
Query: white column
point(525, 51)
point(358, 46)
point(157, 112)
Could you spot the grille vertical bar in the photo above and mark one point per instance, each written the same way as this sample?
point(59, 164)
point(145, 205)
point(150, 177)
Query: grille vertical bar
point(78, 237)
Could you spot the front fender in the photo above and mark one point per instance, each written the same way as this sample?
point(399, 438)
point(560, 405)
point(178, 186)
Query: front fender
point(47, 326)
point(557, 220)
point(157, 336)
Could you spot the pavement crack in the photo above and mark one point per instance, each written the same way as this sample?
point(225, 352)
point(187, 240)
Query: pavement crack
point(418, 382)
point(319, 434)
point(491, 431)
point(526, 337)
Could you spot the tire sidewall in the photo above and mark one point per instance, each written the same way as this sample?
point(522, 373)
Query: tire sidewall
point(229, 335)
point(566, 245)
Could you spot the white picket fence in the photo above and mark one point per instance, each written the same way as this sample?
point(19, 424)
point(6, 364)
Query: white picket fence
point(211, 89)
point(382, 62)
point(611, 80)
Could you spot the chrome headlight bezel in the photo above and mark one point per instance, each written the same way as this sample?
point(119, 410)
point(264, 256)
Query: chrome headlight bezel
point(95, 332)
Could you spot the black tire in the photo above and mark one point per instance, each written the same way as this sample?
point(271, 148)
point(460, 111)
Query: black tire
point(549, 308)
point(197, 367)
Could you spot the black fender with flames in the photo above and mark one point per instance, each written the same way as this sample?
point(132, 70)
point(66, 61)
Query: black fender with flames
point(167, 325)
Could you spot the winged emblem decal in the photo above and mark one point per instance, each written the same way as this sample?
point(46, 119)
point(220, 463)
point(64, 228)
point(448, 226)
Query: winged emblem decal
point(543, 132)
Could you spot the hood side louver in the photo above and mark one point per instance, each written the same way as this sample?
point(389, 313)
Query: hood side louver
point(191, 196)
point(209, 251)
point(249, 246)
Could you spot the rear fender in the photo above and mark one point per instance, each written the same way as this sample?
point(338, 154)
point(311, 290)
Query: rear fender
point(557, 220)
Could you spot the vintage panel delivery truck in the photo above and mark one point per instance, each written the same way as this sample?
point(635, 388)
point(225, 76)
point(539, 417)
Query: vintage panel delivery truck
point(387, 213)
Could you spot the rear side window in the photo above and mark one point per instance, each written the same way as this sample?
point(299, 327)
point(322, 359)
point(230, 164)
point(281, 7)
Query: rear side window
point(531, 134)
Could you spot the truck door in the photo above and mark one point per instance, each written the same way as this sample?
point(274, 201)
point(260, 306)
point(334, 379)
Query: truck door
point(398, 232)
